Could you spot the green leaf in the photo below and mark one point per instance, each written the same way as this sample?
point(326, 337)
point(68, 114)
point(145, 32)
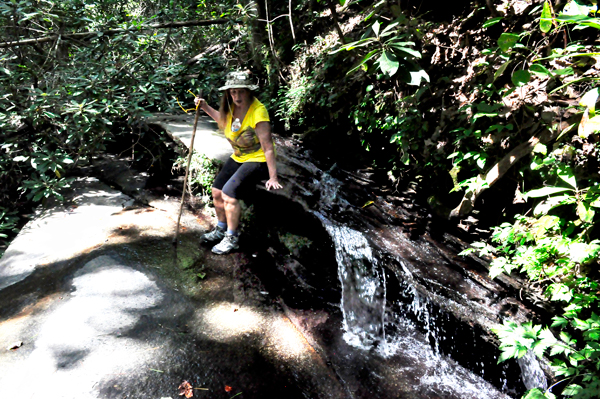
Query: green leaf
point(540, 70)
point(38, 196)
point(534, 393)
point(353, 45)
point(573, 8)
point(389, 29)
point(417, 76)
point(582, 21)
point(572, 390)
point(580, 252)
point(595, 203)
point(506, 41)
point(388, 63)
point(501, 70)
point(585, 213)
point(540, 149)
point(376, 27)
point(364, 60)
point(544, 191)
point(589, 100)
point(546, 18)
point(407, 50)
point(520, 77)
point(566, 175)
point(491, 21)
point(588, 125)
point(564, 72)
point(559, 292)
point(553, 202)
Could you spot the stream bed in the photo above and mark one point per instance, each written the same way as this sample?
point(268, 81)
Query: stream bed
point(327, 298)
point(407, 316)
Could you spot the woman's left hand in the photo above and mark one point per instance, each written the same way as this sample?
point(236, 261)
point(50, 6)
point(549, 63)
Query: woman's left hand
point(273, 183)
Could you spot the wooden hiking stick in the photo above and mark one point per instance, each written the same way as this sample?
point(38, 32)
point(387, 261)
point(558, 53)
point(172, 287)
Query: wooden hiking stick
point(187, 170)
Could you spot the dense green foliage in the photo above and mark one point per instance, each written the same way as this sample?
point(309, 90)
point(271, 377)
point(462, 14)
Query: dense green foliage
point(556, 245)
point(202, 173)
point(506, 107)
point(68, 98)
point(491, 101)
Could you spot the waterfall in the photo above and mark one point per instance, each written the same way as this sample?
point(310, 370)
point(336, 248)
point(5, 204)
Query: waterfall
point(531, 372)
point(396, 312)
point(363, 287)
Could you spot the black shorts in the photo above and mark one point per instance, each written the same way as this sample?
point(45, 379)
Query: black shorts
point(238, 180)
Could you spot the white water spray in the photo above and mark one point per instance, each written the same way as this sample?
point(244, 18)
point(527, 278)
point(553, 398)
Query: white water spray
point(363, 287)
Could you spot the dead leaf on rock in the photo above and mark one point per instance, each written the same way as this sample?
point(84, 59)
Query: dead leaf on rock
point(14, 346)
point(185, 388)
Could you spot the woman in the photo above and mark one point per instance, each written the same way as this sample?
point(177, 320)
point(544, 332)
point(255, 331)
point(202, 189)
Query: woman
point(245, 123)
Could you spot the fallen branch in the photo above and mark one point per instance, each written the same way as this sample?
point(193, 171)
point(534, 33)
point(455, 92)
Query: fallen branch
point(80, 35)
point(497, 171)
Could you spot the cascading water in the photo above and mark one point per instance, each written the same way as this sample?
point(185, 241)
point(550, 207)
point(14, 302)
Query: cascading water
point(370, 323)
point(366, 316)
point(362, 279)
point(413, 317)
point(363, 287)
point(531, 372)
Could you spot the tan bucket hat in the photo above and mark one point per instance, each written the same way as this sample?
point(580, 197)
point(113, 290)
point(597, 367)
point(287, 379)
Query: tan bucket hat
point(239, 80)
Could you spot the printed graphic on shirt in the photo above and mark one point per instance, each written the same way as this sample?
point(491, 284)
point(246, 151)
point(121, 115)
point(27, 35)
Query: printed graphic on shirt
point(245, 143)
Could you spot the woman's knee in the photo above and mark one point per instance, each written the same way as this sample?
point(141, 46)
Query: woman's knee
point(228, 199)
point(217, 194)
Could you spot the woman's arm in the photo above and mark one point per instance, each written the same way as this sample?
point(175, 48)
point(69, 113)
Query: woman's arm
point(213, 113)
point(263, 131)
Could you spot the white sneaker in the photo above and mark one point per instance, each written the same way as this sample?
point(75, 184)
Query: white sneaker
point(227, 244)
point(216, 234)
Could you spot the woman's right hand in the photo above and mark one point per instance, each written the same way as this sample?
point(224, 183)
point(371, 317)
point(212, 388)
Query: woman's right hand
point(199, 102)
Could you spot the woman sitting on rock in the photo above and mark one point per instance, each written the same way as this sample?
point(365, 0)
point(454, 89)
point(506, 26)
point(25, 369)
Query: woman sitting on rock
point(245, 123)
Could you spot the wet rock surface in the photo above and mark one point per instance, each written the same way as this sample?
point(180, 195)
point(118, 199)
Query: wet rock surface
point(338, 291)
point(126, 314)
point(387, 244)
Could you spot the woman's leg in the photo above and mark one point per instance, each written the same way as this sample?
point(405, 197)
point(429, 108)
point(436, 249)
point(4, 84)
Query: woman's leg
point(219, 205)
point(218, 232)
point(246, 177)
point(233, 211)
point(242, 182)
point(228, 170)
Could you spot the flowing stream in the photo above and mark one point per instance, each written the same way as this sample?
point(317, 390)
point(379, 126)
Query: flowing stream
point(389, 319)
point(370, 326)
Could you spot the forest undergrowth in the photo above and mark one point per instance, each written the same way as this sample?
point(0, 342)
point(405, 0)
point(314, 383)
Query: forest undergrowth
point(489, 105)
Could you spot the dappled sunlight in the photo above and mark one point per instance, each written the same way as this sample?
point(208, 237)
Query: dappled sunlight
point(53, 237)
point(288, 342)
point(225, 321)
point(228, 322)
point(83, 338)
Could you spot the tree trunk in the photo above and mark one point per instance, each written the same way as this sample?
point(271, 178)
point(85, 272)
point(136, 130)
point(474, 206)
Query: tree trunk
point(497, 171)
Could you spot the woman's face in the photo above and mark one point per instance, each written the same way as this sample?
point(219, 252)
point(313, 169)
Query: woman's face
point(240, 97)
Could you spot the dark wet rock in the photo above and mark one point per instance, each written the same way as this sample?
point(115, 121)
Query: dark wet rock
point(450, 298)
point(362, 279)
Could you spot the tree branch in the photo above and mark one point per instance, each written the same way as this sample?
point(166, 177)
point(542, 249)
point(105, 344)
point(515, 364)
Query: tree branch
point(291, 23)
point(336, 22)
point(80, 35)
point(497, 171)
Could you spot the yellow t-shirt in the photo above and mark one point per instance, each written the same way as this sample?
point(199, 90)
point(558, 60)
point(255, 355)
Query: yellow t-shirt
point(245, 143)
